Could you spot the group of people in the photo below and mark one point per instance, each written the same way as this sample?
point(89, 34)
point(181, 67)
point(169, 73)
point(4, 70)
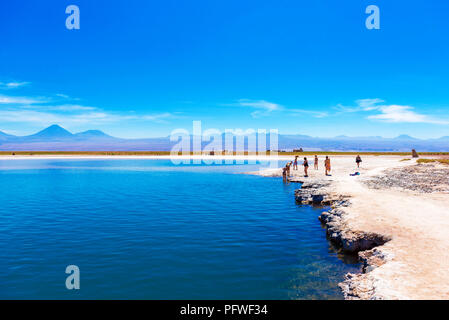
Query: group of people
point(327, 166)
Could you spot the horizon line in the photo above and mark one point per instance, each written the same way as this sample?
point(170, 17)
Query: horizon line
point(405, 136)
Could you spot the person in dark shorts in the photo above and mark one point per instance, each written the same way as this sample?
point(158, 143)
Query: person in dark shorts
point(284, 174)
point(306, 167)
point(288, 166)
point(358, 160)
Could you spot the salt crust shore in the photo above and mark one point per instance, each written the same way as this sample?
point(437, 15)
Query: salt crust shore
point(395, 215)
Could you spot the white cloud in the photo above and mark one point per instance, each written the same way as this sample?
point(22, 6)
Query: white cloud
point(368, 104)
point(19, 100)
point(63, 96)
point(29, 116)
point(260, 104)
point(68, 107)
point(315, 114)
point(390, 113)
point(70, 119)
point(42, 111)
point(263, 107)
point(13, 85)
point(396, 113)
point(361, 105)
point(159, 118)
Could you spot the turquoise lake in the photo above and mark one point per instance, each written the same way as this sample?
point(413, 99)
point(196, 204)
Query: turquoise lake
point(150, 229)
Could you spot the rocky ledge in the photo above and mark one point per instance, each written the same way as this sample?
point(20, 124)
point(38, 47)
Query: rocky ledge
point(315, 193)
point(340, 234)
point(362, 286)
point(355, 286)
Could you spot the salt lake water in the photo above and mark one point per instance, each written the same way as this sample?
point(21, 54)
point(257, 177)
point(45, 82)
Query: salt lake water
point(150, 229)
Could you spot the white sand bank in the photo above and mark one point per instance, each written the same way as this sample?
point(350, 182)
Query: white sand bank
point(418, 223)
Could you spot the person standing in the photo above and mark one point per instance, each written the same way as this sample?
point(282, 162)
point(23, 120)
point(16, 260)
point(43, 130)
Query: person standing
point(287, 166)
point(315, 164)
point(284, 174)
point(327, 165)
point(306, 167)
point(358, 160)
point(295, 163)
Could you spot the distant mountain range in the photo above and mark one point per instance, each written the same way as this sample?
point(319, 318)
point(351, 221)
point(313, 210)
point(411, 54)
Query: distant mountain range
point(56, 138)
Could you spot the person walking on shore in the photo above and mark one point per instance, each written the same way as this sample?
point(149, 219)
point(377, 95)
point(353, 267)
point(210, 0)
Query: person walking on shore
point(358, 160)
point(327, 165)
point(295, 163)
point(306, 167)
point(315, 163)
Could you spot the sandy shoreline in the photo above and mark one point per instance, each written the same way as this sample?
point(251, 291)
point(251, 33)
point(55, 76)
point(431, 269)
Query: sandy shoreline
point(413, 264)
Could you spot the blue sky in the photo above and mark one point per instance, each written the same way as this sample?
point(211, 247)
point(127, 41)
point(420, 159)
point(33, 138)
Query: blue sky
point(144, 68)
